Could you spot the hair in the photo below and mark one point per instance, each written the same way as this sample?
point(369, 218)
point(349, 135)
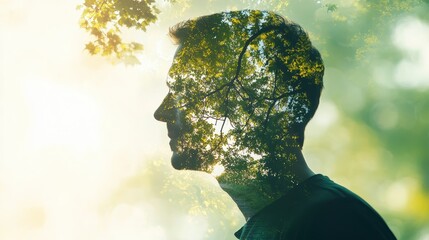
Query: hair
point(311, 85)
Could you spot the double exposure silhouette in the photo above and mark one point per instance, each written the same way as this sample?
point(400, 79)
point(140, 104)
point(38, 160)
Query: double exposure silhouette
point(242, 87)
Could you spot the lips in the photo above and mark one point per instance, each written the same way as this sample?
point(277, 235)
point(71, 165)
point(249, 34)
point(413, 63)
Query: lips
point(173, 133)
point(173, 144)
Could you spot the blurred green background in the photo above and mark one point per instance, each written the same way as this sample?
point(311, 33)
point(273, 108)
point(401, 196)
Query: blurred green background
point(372, 131)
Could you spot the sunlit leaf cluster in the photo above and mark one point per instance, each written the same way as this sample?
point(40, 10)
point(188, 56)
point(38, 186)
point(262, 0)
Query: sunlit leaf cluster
point(104, 19)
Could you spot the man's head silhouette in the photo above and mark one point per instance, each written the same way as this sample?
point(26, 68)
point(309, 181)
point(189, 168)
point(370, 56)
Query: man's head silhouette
point(242, 87)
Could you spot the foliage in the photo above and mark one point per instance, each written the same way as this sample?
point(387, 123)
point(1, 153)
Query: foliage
point(104, 19)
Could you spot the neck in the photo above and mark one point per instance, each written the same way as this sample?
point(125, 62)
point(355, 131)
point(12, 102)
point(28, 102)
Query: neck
point(252, 194)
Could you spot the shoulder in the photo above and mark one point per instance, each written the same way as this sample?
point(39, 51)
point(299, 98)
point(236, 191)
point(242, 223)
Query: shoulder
point(347, 217)
point(331, 211)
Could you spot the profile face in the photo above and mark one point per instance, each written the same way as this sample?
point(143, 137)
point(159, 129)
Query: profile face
point(235, 91)
point(169, 113)
point(191, 134)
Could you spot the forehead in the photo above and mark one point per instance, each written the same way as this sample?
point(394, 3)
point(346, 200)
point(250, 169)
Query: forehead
point(199, 64)
point(202, 66)
point(178, 68)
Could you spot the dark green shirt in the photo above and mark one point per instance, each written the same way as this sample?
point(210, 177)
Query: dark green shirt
point(317, 208)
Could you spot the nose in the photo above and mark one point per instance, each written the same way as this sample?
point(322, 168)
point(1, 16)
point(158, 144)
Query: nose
point(166, 112)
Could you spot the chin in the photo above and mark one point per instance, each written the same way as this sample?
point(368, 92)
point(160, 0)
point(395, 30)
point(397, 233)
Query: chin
point(183, 161)
point(177, 162)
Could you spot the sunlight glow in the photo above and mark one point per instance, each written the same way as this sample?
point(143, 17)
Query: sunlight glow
point(217, 170)
point(411, 36)
point(62, 116)
point(72, 128)
point(398, 194)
